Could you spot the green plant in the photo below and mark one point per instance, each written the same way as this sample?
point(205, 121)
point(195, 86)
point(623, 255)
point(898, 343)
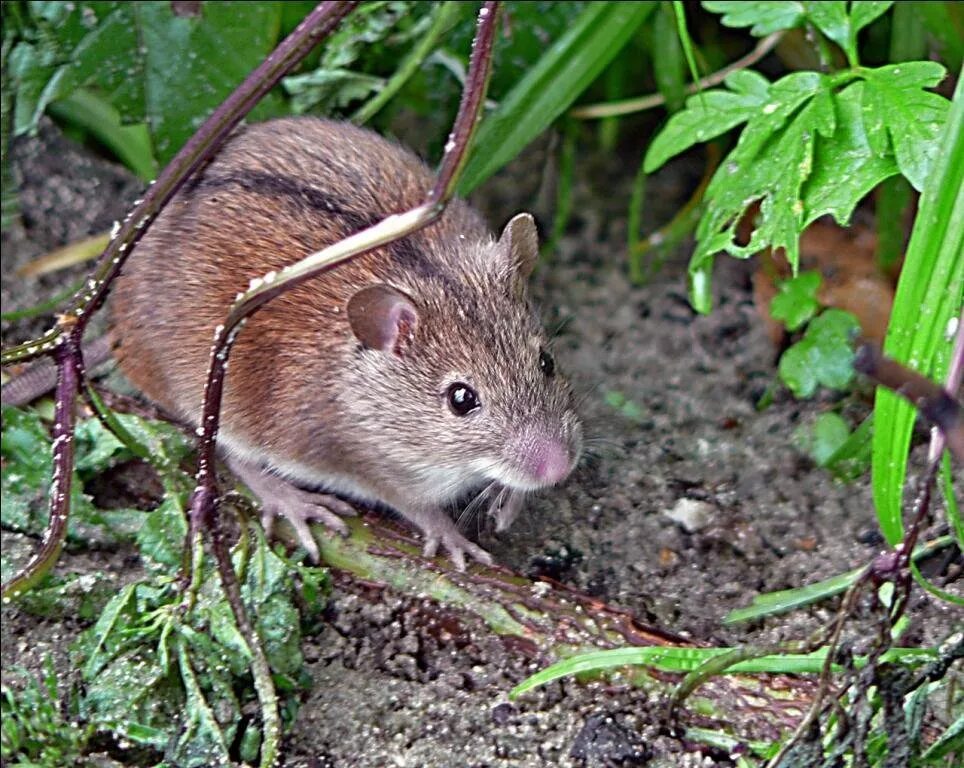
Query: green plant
point(160, 670)
point(34, 730)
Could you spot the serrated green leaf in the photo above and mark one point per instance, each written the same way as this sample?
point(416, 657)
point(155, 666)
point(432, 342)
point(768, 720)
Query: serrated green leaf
point(796, 302)
point(846, 168)
point(785, 97)
point(824, 356)
point(914, 119)
point(830, 17)
point(770, 163)
point(552, 85)
point(864, 12)
point(764, 17)
point(705, 117)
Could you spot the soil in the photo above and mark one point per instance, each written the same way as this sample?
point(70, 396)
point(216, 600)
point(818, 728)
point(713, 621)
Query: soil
point(679, 512)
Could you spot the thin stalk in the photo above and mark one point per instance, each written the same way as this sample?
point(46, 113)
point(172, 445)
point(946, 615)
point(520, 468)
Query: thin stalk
point(445, 17)
point(642, 103)
point(68, 385)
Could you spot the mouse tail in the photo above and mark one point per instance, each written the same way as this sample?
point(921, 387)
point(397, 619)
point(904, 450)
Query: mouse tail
point(41, 377)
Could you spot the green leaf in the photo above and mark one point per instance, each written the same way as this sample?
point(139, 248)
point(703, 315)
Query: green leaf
point(824, 356)
point(334, 84)
point(769, 164)
point(709, 115)
point(675, 659)
point(824, 438)
point(929, 297)
point(114, 618)
point(783, 601)
point(161, 537)
point(552, 85)
point(796, 301)
point(912, 118)
point(193, 63)
point(830, 17)
point(764, 17)
point(130, 143)
point(153, 66)
point(845, 168)
point(864, 12)
point(852, 457)
point(669, 69)
point(25, 482)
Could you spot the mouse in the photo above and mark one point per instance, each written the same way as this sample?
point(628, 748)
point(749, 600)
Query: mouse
point(409, 377)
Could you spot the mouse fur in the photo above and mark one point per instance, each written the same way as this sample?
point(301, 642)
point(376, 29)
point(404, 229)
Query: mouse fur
point(344, 383)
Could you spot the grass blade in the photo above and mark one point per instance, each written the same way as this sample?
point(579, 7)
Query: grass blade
point(929, 297)
point(552, 85)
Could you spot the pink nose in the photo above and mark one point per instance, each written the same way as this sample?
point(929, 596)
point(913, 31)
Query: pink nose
point(550, 460)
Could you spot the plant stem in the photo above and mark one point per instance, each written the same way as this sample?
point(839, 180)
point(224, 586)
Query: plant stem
point(641, 103)
point(445, 17)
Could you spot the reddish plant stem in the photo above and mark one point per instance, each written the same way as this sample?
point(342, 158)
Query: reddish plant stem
point(69, 375)
point(933, 402)
point(64, 340)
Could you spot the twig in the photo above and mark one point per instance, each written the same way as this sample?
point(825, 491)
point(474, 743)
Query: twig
point(642, 103)
point(936, 404)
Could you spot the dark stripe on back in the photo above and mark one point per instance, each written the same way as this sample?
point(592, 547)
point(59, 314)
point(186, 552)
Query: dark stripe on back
point(406, 255)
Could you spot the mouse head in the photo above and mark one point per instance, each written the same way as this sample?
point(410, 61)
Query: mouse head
point(461, 364)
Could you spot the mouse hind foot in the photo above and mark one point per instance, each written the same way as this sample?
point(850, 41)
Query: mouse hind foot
point(281, 498)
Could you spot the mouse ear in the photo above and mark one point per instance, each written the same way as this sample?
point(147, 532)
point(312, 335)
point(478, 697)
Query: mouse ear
point(519, 245)
point(382, 317)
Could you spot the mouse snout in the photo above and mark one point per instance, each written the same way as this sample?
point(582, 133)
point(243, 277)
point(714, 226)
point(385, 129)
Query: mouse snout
point(543, 457)
point(551, 461)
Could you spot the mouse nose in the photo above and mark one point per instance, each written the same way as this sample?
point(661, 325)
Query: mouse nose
point(551, 461)
point(544, 458)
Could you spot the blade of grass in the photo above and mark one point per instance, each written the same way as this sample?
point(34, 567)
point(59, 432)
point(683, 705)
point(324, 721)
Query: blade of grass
point(43, 308)
point(686, 660)
point(773, 603)
point(685, 40)
point(928, 298)
point(552, 85)
point(73, 253)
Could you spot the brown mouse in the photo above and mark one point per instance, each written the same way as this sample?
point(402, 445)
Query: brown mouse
point(408, 377)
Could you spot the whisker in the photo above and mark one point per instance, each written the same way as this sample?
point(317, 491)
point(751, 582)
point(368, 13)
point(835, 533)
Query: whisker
point(470, 510)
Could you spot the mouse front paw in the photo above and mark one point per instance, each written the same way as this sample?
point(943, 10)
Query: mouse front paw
point(455, 545)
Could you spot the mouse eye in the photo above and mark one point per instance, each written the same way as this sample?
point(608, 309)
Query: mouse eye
point(546, 364)
point(462, 399)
